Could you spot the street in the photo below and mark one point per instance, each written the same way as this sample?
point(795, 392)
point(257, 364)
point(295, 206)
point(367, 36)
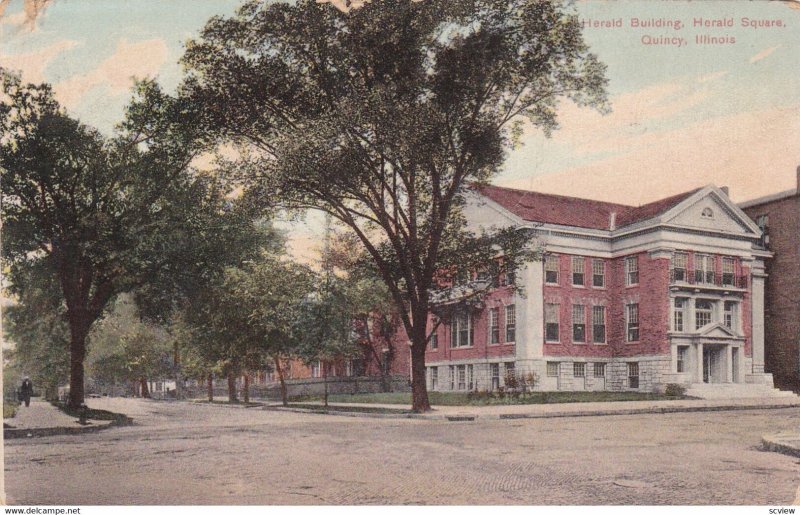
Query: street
point(182, 453)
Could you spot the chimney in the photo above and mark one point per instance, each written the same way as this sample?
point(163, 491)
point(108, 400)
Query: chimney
point(612, 217)
point(725, 191)
point(798, 179)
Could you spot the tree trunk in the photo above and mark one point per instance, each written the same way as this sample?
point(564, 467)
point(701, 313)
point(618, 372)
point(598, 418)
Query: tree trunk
point(419, 387)
point(77, 348)
point(232, 388)
point(145, 389)
point(210, 383)
point(279, 370)
point(325, 380)
point(246, 387)
point(179, 394)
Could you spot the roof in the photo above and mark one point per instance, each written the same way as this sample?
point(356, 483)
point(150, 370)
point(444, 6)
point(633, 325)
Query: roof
point(538, 207)
point(770, 198)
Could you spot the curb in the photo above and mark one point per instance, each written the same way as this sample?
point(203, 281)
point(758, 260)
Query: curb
point(516, 416)
point(354, 414)
point(773, 443)
point(10, 434)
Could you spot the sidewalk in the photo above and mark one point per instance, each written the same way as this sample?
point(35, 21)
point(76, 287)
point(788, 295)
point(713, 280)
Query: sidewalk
point(575, 409)
point(43, 419)
point(784, 443)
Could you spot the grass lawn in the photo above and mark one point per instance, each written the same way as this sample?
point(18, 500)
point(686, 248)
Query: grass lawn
point(352, 409)
point(464, 399)
point(9, 409)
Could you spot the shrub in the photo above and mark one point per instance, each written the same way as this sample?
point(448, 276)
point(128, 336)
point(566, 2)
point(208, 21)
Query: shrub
point(674, 390)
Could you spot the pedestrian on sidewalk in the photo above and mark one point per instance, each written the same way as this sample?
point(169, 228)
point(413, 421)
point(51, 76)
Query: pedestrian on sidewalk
point(26, 390)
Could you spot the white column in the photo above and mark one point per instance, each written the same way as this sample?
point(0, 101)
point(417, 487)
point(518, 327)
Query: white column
point(699, 362)
point(530, 312)
point(728, 364)
point(757, 306)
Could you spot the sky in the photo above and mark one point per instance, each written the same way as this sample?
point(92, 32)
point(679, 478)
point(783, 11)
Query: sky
point(685, 111)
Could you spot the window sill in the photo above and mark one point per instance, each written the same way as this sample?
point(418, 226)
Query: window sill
point(552, 284)
point(552, 342)
point(603, 344)
point(579, 286)
point(632, 285)
point(637, 342)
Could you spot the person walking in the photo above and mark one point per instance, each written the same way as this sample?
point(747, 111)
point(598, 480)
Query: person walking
point(26, 390)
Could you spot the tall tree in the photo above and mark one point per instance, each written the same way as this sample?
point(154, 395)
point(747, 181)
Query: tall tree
point(326, 330)
point(248, 319)
point(384, 116)
point(128, 350)
point(101, 215)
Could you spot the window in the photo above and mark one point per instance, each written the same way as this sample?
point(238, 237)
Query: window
point(551, 322)
point(631, 270)
point(494, 325)
point(508, 278)
point(552, 368)
point(434, 338)
point(434, 374)
point(680, 261)
point(316, 369)
point(598, 324)
point(683, 359)
point(578, 323)
point(599, 369)
point(578, 271)
point(730, 315)
point(704, 269)
point(462, 377)
point(598, 273)
point(703, 312)
point(452, 377)
point(579, 369)
point(461, 335)
point(632, 322)
point(762, 221)
point(728, 266)
point(494, 370)
point(470, 378)
point(679, 313)
point(509, 369)
point(511, 323)
point(633, 375)
point(551, 269)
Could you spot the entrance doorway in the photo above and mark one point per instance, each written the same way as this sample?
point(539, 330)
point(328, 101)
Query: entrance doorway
point(712, 364)
point(735, 364)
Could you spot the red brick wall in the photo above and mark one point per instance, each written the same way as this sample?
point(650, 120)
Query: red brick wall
point(566, 294)
point(652, 295)
point(782, 290)
point(499, 298)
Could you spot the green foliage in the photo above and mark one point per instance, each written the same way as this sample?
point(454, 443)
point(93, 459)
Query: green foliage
point(325, 327)
point(674, 390)
point(102, 216)
point(385, 116)
point(124, 348)
point(249, 317)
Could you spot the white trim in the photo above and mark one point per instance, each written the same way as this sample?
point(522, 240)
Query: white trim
point(781, 195)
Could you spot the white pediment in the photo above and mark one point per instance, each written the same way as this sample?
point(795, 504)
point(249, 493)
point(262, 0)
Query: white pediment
point(710, 210)
point(481, 213)
point(716, 330)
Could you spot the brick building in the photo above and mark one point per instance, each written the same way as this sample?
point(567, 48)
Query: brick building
point(779, 217)
point(626, 298)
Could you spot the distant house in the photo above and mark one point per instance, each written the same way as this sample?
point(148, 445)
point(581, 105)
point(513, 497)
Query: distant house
point(778, 216)
point(626, 299)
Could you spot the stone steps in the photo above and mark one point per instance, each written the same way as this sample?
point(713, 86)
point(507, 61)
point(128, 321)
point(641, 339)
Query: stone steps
point(736, 391)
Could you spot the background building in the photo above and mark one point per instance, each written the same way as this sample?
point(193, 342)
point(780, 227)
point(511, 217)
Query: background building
point(627, 298)
point(778, 216)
